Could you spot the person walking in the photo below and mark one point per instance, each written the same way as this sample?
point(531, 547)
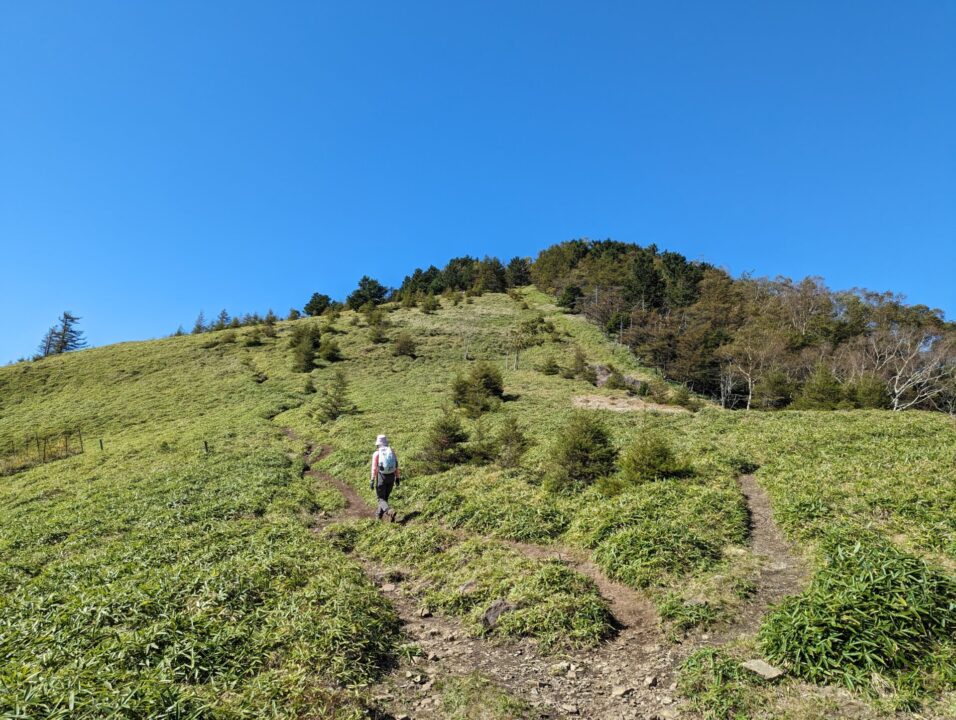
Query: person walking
point(385, 476)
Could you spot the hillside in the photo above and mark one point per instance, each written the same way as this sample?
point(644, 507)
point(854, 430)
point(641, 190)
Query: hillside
point(155, 579)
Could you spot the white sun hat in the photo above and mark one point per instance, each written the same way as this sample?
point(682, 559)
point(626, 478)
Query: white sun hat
point(381, 441)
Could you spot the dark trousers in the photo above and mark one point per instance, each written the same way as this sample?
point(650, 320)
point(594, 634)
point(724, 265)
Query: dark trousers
point(382, 490)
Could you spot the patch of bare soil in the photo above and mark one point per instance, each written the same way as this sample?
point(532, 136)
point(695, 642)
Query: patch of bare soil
point(622, 404)
point(630, 676)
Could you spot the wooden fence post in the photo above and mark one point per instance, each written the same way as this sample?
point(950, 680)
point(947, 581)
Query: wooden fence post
point(205, 444)
point(101, 443)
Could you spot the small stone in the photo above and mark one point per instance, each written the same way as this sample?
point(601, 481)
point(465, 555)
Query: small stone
point(408, 674)
point(621, 691)
point(389, 587)
point(763, 669)
point(559, 668)
point(433, 657)
point(425, 613)
point(468, 588)
point(650, 681)
point(427, 686)
point(402, 717)
point(495, 611)
point(666, 700)
point(420, 679)
point(570, 709)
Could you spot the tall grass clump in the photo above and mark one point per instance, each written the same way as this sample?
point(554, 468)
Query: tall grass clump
point(581, 454)
point(871, 610)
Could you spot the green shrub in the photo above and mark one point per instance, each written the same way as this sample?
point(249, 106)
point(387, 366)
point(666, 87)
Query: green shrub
point(253, 338)
point(443, 444)
point(489, 378)
point(481, 390)
point(429, 304)
point(581, 454)
point(404, 345)
point(549, 367)
point(512, 442)
point(305, 341)
point(615, 380)
point(821, 391)
point(659, 392)
point(376, 334)
point(334, 400)
point(329, 350)
point(774, 390)
point(871, 609)
point(868, 392)
point(650, 457)
point(483, 448)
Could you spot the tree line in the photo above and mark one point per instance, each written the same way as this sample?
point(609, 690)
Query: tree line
point(747, 342)
point(757, 342)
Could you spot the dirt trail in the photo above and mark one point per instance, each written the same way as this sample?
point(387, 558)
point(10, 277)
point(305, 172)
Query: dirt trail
point(632, 675)
point(782, 573)
point(355, 505)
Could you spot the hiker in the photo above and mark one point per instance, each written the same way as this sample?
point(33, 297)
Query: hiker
point(385, 476)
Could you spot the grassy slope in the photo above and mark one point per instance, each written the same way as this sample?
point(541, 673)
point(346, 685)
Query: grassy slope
point(194, 580)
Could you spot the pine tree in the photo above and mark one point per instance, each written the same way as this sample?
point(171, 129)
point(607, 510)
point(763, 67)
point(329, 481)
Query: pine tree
point(334, 401)
point(305, 343)
point(200, 324)
point(66, 335)
point(512, 443)
point(222, 321)
point(582, 454)
point(47, 344)
point(317, 305)
point(443, 445)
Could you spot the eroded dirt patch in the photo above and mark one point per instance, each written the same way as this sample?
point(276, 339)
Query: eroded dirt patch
point(622, 404)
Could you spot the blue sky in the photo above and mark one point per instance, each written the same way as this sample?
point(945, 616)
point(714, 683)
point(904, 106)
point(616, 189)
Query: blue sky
point(161, 158)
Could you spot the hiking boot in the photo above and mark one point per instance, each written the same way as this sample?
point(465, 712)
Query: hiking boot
point(391, 516)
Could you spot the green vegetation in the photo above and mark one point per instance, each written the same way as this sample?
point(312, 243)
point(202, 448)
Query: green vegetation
point(547, 600)
point(581, 454)
point(159, 576)
point(718, 687)
point(473, 697)
point(871, 609)
point(151, 579)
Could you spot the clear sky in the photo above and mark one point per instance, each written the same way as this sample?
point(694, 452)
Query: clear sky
point(161, 158)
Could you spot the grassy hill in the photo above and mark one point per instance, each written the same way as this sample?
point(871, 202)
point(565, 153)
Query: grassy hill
point(155, 579)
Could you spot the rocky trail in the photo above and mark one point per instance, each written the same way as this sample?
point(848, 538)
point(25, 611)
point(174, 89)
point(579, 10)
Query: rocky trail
point(632, 675)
